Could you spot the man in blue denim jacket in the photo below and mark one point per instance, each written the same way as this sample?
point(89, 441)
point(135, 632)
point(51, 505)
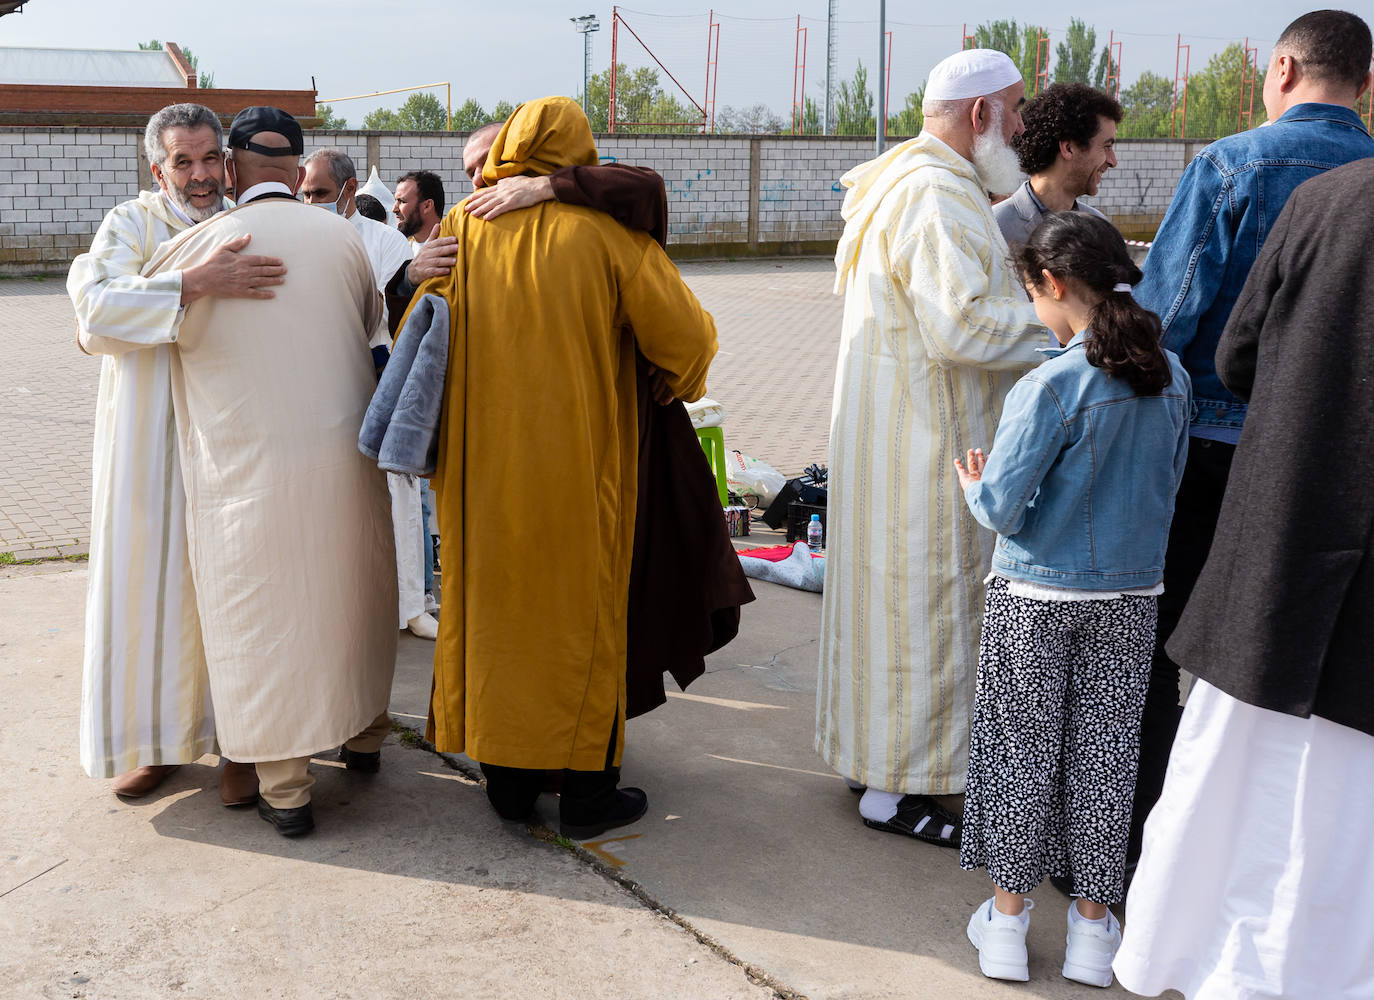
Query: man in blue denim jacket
point(1226, 201)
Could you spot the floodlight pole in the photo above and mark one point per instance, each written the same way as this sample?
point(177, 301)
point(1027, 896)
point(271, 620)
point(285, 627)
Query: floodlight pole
point(584, 26)
point(880, 109)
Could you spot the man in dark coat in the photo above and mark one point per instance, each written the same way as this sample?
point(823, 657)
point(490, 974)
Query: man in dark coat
point(1256, 863)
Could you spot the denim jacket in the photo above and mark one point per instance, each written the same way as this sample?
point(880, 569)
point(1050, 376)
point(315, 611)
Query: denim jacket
point(1080, 482)
point(1226, 202)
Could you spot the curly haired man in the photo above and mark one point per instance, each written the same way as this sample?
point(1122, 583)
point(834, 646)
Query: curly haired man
point(1066, 148)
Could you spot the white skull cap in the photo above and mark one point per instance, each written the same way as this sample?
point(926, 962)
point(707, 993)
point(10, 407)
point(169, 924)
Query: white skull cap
point(971, 73)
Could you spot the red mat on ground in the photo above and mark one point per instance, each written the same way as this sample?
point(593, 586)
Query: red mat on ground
point(772, 553)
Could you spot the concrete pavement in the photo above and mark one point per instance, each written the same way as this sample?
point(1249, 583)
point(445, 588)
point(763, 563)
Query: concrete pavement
point(411, 887)
point(777, 319)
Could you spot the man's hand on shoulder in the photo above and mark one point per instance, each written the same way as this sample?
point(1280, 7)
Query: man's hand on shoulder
point(231, 274)
point(508, 194)
point(435, 258)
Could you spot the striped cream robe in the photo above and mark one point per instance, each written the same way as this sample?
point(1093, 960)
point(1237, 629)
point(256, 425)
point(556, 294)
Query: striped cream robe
point(936, 329)
point(144, 697)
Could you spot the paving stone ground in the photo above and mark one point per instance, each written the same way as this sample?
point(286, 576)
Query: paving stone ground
point(777, 319)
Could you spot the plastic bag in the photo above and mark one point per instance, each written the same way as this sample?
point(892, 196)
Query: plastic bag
point(750, 477)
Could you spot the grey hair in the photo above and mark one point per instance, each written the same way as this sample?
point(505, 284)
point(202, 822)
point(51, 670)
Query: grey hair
point(178, 116)
point(942, 109)
point(341, 169)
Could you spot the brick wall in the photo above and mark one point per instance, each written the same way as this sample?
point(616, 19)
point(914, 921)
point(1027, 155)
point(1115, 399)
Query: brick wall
point(730, 195)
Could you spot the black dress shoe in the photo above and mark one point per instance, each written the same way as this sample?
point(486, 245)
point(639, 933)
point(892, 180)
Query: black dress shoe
point(289, 822)
point(358, 760)
point(629, 805)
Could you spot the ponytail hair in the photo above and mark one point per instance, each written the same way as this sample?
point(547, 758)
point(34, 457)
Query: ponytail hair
point(1124, 338)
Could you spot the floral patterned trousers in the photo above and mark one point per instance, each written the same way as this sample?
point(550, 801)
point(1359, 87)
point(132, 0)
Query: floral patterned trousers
point(1055, 739)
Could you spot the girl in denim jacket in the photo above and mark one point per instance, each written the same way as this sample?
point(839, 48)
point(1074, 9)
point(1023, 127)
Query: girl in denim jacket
point(1080, 489)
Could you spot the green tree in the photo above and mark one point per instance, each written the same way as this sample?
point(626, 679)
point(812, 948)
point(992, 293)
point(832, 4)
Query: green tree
point(909, 120)
point(382, 120)
point(1021, 44)
point(502, 111)
point(854, 105)
point(1148, 106)
point(811, 117)
point(469, 116)
point(422, 112)
point(757, 119)
point(1073, 57)
point(1214, 94)
point(206, 80)
point(328, 119)
point(639, 98)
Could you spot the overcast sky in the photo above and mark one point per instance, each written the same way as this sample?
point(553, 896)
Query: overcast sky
point(522, 49)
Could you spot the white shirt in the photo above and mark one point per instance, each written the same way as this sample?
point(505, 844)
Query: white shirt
point(387, 249)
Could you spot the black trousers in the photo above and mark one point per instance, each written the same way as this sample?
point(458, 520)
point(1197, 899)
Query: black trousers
point(1196, 509)
point(586, 796)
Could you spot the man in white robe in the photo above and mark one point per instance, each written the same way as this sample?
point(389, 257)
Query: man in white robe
point(145, 705)
point(936, 330)
point(289, 526)
point(331, 181)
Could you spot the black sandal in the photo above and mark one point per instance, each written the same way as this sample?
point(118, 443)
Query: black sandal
point(922, 817)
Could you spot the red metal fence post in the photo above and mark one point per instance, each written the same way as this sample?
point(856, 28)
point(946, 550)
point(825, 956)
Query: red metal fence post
point(1113, 82)
point(1042, 61)
point(887, 90)
point(1249, 71)
point(1182, 55)
point(1368, 115)
point(799, 81)
point(615, 35)
point(712, 75)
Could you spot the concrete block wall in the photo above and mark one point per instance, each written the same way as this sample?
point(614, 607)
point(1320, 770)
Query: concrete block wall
point(708, 185)
point(727, 195)
point(1137, 193)
point(55, 187)
point(799, 188)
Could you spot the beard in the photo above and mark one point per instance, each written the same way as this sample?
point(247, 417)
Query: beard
point(408, 227)
point(181, 198)
point(998, 167)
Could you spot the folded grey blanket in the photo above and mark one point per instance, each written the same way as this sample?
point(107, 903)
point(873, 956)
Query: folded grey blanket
point(401, 427)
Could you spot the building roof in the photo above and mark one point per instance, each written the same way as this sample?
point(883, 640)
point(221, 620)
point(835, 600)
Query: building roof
point(89, 67)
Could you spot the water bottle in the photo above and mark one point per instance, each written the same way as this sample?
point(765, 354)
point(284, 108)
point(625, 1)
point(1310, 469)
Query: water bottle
point(814, 533)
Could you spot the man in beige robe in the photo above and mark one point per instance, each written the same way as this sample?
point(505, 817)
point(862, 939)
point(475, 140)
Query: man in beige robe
point(936, 330)
point(288, 525)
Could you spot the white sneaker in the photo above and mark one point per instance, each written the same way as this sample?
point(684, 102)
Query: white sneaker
point(424, 626)
point(1001, 942)
point(1090, 948)
point(431, 605)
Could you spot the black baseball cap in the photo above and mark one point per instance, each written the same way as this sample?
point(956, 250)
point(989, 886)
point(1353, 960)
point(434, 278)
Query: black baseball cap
point(250, 121)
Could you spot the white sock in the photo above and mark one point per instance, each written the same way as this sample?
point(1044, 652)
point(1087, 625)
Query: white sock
point(1023, 916)
point(1076, 915)
point(879, 806)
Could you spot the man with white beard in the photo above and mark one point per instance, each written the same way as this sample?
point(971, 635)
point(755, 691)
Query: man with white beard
point(936, 330)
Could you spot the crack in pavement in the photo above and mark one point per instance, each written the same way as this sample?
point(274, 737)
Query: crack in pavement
point(539, 832)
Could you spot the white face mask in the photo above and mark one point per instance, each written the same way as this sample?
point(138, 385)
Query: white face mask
point(331, 207)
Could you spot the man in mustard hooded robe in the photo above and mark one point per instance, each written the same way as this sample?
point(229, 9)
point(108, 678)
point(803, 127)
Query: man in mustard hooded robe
point(536, 476)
